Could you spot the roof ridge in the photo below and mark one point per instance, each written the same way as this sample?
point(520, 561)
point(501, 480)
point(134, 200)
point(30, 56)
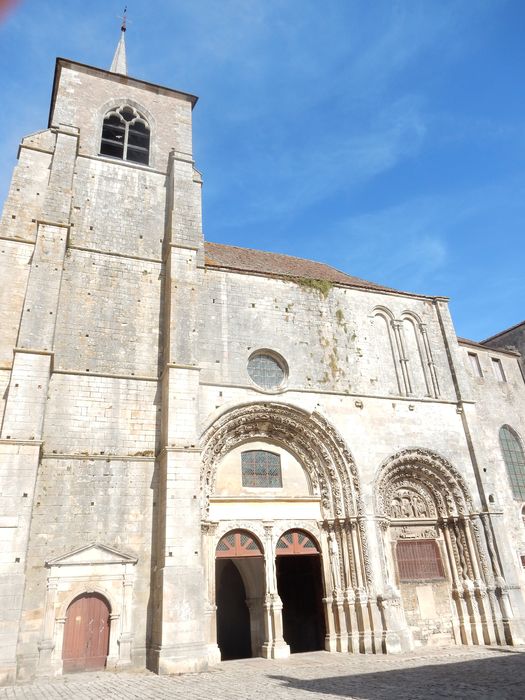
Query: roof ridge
point(505, 330)
point(284, 255)
point(242, 259)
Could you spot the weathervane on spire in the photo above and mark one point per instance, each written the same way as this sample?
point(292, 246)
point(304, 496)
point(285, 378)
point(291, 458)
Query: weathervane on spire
point(124, 19)
point(119, 63)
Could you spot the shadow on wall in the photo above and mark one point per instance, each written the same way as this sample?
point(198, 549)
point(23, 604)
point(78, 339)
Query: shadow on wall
point(500, 678)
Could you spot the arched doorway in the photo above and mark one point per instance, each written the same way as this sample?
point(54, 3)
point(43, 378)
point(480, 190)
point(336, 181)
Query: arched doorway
point(352, 610)
point(86, 634)
point(239, 562)
point(433, 550)
point(300, 587)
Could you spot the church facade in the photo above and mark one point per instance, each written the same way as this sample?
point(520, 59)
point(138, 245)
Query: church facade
point(213, 452)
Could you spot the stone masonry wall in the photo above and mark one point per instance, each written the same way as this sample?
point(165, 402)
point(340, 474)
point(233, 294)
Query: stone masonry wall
point(14, 266)
point(83, 98)
point(118, 208)
point(100, 415)
point(499, 403)
point(328, 342)
point(82, 500)
point(28, 187)
point(109, 315)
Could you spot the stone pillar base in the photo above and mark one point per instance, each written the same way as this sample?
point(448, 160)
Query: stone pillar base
point(397, 642)
point(7, 674)
point(125, 646)
point(180, 659)
point(214, 654)
point(330, 643)
point(275, 650)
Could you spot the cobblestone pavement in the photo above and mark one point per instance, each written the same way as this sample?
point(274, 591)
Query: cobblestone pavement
point(496, 673)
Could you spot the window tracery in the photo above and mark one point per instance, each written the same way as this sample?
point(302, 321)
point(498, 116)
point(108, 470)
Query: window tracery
point(126, 135)
point(267, 370)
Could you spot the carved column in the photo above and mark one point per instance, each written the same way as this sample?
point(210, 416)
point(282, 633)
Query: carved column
point(486, 635)
point(114, 636)
point(456, 611)
point(430, 360)
point(349, 594)
point(125, 640)
point(333, 536)
point(496, 632)
point(330, 640)
point(210, 609)
point(466, 564)
point(361, 596)
point(59, 641)
point(501, 591)
point(46, 645)
point(396, 635)
point(461, 630)
point(274, 646)
point(403, 359)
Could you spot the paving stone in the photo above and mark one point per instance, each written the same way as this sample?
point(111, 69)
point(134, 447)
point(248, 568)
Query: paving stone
point(466, 673)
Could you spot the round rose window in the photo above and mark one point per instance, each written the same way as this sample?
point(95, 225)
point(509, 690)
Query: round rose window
point(266, 370)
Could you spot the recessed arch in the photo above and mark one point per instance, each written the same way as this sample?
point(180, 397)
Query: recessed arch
point(83, 589)
point(383, 311)
point(428, 471)
point(412, 316)
point(430, 534)
point(238, 544)
point(297, 542)
point(316, 444)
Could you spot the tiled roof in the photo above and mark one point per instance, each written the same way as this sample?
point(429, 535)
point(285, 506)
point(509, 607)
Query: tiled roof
point(507, 330)
point(258, 261)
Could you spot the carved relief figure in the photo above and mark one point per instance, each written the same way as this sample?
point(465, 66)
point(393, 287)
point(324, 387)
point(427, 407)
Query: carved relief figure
point(409, 504)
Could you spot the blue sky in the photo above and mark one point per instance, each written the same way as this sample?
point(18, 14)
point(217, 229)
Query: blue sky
point(384, 138)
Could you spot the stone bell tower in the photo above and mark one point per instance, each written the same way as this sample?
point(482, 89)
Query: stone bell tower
point(103, 250)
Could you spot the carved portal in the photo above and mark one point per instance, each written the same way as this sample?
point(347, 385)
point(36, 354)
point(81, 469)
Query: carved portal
point(352, 615)
point(419, 495)
point(314, 442)
point(427, 474)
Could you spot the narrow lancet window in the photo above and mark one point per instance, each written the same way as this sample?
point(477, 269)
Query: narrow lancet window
point(126, 135)
point(514, 460)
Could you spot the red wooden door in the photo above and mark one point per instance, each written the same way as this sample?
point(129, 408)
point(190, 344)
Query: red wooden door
point(86, 634)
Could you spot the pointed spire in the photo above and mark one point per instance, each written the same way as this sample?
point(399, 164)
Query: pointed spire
point(119, 63)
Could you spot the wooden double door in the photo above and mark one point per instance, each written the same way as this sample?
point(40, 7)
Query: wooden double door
point(86, 634)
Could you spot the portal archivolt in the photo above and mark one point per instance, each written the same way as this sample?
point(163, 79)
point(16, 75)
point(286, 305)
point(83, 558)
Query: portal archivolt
point(434, 540)
point(351, 616)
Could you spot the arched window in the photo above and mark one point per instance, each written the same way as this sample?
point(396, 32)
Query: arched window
point(125, 135)
point(514, 460)
point(261, 469)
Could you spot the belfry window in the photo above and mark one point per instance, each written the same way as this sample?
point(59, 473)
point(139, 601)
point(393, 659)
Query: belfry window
point(125, 135)
point(261, 469)
point(514, 458)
